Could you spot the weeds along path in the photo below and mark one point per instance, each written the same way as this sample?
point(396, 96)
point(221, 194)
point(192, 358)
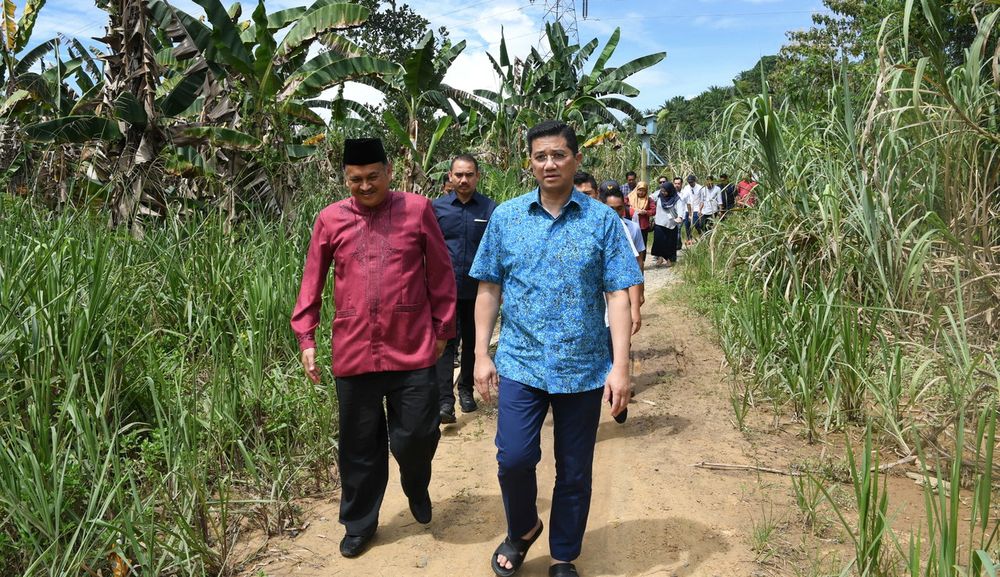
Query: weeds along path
point(652, 512)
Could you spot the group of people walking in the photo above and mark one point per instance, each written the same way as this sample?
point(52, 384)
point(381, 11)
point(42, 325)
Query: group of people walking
point(417, 281)
point(675, 214)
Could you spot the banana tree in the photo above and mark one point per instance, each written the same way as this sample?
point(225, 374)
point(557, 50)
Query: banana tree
point(257, 115)
point(557, 86)
point(220, 101)
point(591, 98)
point(503, 114)
point(419, 84)
point(14, 37)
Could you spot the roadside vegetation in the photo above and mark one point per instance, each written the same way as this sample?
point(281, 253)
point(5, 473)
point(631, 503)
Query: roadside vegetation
point(159, 191)
point(861, 294)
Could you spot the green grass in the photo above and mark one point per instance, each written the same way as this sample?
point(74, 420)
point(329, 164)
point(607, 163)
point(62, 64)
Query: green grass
point(152, 399)
point(863, 290)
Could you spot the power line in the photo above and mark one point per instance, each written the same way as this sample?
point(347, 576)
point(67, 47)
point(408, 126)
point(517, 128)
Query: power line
point(715, 15)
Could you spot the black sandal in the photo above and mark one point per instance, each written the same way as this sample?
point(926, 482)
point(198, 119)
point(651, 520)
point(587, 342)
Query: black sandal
point(563, 570)
point(515, 551)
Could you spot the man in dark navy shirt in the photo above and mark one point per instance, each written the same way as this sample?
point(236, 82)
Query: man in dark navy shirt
point(462, 215)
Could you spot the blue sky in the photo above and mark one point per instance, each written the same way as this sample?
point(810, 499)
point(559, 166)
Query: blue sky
point(707, 41)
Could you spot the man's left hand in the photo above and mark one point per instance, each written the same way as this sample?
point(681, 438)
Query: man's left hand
point(616, 390)
point(439, 347)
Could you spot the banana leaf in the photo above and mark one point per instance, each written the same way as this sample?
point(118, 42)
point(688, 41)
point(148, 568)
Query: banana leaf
point(337, 72)
point(319, 21)
point(221, 137)
point(186, 91)
point(73, 129)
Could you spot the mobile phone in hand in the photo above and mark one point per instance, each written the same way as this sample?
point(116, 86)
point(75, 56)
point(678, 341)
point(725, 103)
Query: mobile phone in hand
point(620, 417)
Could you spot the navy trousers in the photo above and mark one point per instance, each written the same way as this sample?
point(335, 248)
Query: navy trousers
point(379, 412)
point(520, 412)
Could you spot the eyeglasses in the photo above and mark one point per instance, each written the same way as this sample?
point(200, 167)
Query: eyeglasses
point(557, 157)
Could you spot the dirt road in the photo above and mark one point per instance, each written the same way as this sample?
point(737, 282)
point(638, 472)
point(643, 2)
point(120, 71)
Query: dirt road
point(653, 514)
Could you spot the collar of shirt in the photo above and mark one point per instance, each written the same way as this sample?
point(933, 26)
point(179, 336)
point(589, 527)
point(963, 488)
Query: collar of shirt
point(575, 198)
point(474, 199)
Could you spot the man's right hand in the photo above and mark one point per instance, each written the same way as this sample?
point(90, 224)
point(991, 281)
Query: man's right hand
point(309, 364)
point(485, 377)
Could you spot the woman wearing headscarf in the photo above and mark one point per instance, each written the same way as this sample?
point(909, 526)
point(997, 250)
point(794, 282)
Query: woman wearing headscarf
point(670, 209)
point(643, 209)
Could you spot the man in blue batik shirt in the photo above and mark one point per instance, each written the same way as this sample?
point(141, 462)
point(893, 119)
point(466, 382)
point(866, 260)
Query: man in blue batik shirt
point(553, 255)
point(462, 215)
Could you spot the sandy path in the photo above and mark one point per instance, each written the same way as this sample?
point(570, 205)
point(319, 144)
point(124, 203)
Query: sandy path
point(652, 513)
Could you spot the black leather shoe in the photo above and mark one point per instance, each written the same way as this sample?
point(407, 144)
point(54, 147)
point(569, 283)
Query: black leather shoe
point(447, 415)
point(421, 508)
point(467, 402)
point(354, 545)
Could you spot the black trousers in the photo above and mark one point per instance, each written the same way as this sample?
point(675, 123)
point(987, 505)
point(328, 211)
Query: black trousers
point(407, 425)
point(466, 319)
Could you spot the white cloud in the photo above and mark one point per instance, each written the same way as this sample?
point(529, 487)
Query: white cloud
point(472, 69)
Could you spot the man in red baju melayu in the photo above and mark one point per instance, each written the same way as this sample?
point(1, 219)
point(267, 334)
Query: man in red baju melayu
point(394, 291)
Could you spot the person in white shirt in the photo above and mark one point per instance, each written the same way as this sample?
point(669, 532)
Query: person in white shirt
point(678, 185)
point(670, 211)
point(691, 195)
point(710, 201)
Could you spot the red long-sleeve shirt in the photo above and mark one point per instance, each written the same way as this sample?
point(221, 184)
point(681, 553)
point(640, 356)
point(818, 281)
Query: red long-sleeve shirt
point(394, 288)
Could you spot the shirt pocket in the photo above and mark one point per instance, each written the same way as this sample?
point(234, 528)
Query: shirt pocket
point(477, 228)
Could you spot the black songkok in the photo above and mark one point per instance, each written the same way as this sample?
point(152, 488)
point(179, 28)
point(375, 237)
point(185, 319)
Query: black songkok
point(362, 151)
point(610, 186)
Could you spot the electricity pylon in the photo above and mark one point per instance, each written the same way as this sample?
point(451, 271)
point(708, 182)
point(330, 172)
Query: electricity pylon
point(563, 12)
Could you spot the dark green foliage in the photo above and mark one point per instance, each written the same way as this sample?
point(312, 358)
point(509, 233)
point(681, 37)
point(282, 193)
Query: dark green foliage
point(146, 384)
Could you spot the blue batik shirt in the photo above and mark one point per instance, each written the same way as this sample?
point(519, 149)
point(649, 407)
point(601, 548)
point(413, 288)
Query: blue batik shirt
point(553, 273)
